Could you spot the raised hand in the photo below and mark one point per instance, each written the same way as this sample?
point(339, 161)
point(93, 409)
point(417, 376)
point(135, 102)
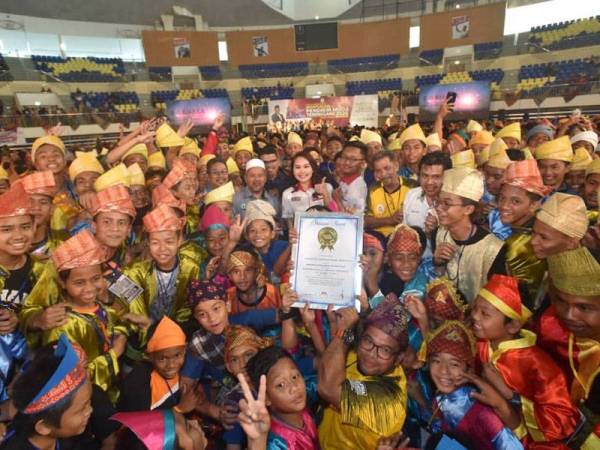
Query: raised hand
point(307, 314)
point(289, 298)
point(321, 189)
point(254, 416)
point(212, 266)
point(444, 252)
point(185, 128)
point(237, 229)
point(487, 394)
point(219, 121)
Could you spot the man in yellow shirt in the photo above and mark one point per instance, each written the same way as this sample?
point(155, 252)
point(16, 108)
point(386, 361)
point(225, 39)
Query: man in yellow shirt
point(365, 388)
point(386, 198)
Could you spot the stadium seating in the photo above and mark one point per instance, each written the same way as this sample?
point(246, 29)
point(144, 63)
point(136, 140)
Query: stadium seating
point(556, 73)
point(492, 75)
point(160, 73)
point(270, 92)
point(565, 35)
point(456, 77)
point(88, 69)
point(273, 70)
point(429, 57)
point(373, 86)
point(487, 50)
point(107, 101)
point(215, 93)
point(211, 73)
point(363, 64)
point(427, 80)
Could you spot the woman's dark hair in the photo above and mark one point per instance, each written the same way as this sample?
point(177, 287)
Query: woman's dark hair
point(263, 361)
point(306, 155)
point(27, 386)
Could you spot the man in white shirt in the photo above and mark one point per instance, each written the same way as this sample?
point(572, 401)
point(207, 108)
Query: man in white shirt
point(353, 189)
point(419, 204)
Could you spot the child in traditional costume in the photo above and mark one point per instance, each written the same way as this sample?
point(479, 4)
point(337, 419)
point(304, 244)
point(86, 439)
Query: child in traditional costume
point(456, 411)
point(165, 277)
point(52, 398)
point(519, 370)
point(292, 425)
point(205, 353)
point(570, 331)
point(91, 324)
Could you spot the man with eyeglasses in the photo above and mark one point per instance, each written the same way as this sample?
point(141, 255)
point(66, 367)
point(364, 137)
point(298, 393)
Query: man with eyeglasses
point(217, 173)
point(465, 252)
point(357, 378)
point(353, 189)
point(277, 180)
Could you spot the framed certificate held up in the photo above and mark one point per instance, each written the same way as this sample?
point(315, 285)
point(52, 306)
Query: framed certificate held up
point(326, 259)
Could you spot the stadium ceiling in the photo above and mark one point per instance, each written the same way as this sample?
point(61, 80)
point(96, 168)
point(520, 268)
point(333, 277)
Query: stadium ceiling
point(215, 13)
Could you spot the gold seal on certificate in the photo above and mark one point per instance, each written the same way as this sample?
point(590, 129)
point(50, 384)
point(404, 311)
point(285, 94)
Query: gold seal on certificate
point(326, 259)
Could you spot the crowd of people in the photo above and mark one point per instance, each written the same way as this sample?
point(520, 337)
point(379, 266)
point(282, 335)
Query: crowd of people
point(146, 298)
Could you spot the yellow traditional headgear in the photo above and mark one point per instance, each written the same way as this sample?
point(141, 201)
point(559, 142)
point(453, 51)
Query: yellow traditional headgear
point(393, 136)
point(205, 159)
point(466, 158)
point(482, 137)
point(581, 160)
point(558, 149)
point(157, 159)
point(473, 127)
point(167, 137)
point(244, 144)
point(510, 131)
point(85, 162)
point(138, 149)
point(565, 213)
point(394, 145)
point(464, 182)
point(413, 132)
point(47, 140)
point(498, 158)
point(221, 194)
point(433, 140)
point(575, 272)
point(190, 147)
point(136, 175)
point(232, 166)
point(117, 175)
point(594, 167)
point(3, 174)
point(367, 136)
point(483, 156)
point(294, 138)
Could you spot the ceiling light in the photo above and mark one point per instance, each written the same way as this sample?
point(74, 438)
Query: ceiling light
point(316, 17)
point(457, 6)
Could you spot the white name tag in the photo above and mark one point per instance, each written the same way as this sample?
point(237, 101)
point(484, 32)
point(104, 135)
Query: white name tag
point(125, 288)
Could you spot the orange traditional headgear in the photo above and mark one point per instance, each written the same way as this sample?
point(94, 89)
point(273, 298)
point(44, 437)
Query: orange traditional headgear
point(163, 218)
point(181, 169)
point(167, 334)
point(526, 175)
point(113, 199)
point(162, 195)
point(502, 292)
point(41, 183)
point(236, 335)
point(15, 202)
point(81, 250)
point(404, 239)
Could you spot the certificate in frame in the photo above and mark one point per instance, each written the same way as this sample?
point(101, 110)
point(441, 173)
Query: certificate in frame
point(326, 260)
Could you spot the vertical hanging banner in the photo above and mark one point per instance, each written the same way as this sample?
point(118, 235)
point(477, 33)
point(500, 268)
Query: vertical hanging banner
point(260, 46)
point(460, 27)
